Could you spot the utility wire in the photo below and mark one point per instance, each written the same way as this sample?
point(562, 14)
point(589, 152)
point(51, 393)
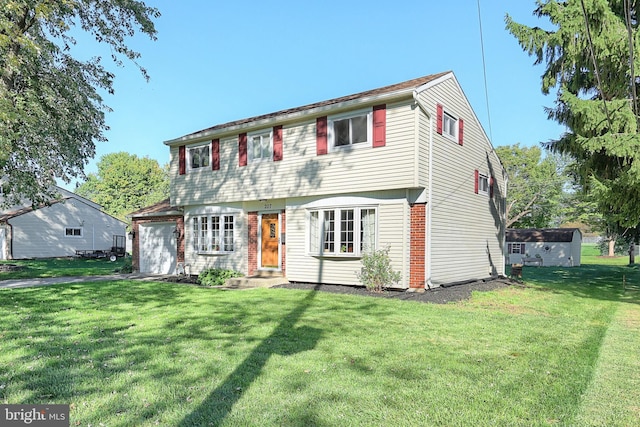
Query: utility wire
point(484, 69)
point(634, 93)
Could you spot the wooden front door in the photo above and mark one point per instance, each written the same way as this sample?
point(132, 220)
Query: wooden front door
point(270, 241)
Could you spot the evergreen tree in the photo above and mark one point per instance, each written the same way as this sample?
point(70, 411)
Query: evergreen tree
point(591, 64)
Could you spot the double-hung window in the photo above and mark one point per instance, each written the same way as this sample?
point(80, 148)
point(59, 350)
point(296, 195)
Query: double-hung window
point(213, 233)
point(516, 248)
point(350, 130)
point(449, 125)
point(483, 184)
point(342, 231)
point(260, 146)
point(199, 157)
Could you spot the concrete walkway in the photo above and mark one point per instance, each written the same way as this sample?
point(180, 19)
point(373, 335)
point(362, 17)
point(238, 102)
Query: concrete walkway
point(26, 283)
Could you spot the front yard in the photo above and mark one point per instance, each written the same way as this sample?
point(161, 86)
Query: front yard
point(560, 352)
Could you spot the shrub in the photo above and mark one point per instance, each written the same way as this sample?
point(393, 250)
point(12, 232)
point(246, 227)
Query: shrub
point(621, 246)
point(376, 272)
point(127, 267)
point(216, 276)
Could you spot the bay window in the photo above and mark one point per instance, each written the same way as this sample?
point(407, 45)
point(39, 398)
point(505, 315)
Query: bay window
point(342, 231)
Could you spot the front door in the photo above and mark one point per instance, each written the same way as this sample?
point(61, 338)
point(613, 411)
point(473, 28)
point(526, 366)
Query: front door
point(270, 241)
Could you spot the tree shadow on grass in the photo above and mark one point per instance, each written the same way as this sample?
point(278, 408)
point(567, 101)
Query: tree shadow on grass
point(603, 282)
point(286, 339)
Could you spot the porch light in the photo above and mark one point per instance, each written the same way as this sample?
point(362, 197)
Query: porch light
point(132, 234)
point(176, 232)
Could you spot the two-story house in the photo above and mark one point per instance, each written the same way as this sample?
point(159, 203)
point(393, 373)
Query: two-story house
point(306, 191)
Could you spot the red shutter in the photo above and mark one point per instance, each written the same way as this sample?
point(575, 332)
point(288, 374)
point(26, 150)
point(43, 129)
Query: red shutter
point(242, 149)
point(491, 187)
point(440, 112)
point(277, 143)
point(182, 161)
point(379, 125)
point(476, 178)
point(460, 131)
point(215, 154)
point(321, 135)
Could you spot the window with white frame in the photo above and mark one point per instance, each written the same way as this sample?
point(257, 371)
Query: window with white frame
point(73, 231)
point(342, 231)
point(483, 184)
point(260, 146)
point(350, 130)
point(449, 125)
point(516, 248)
point(213, 233)
point(199, 157)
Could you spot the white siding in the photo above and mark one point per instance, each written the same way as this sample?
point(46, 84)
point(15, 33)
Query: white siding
point(236, 260)
point(302, 172)
point(392, 233)
point(41, 233)
point(467, 228)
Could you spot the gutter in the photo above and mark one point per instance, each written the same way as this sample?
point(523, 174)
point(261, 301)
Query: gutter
point(427, 253)
point(262, 121)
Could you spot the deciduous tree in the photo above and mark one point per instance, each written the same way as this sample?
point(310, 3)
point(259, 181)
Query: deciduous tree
point(534, 187)
point(125, 182)
point(51, 112)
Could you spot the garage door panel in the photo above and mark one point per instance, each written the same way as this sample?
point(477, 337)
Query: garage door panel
point(158, 252)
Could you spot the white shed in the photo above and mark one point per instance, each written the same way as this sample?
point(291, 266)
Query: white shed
point(544, 246)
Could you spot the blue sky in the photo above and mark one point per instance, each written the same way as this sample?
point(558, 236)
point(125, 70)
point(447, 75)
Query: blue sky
point(217, 61)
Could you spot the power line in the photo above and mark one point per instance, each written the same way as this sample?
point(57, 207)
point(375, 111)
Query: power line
point(484, 70)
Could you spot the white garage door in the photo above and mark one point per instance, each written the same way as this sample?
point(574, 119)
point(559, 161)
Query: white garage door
point(158, 252)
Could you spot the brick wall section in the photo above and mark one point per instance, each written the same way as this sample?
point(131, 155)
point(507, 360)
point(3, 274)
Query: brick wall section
point(417, 243)
point(253, 242)
point(283, 246)
point(135, 249)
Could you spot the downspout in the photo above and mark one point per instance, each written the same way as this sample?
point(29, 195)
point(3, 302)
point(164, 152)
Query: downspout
point(427, 253)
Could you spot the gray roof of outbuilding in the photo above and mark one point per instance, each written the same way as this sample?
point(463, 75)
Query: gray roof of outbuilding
point(540, 234)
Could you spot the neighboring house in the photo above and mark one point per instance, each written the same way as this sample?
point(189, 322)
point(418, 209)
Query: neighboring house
point(57, 229)
point(554, 246)
point(306, 191)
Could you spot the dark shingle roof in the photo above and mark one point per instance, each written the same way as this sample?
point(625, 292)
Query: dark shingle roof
point(161, 208)
point(414, 83)
point(540, 234)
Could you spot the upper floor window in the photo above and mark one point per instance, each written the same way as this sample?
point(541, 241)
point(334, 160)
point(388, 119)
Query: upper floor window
point(350, 130)
point(260, 146)
point(483, 184)
point(449, 125)
point(199, 157)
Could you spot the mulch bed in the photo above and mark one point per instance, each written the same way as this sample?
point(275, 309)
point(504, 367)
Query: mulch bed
point(440, 295)
point(10, 267)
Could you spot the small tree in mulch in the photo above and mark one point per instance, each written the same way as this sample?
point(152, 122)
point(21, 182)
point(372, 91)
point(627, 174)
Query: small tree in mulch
point(376, 272)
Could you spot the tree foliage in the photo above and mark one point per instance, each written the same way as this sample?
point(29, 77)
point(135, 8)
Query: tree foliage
point(535, 186)
point(51, 113)
point(591, 63)
point(125, 182)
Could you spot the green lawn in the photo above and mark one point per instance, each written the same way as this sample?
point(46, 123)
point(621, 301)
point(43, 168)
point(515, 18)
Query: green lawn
point(562, 351)
point(60, 267)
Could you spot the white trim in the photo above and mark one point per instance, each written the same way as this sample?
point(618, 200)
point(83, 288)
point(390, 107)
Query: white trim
point(189, 161)
point(73, 236)
point(250, 136)
point(357, 219)
point(367, 112)
point(291, 117)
